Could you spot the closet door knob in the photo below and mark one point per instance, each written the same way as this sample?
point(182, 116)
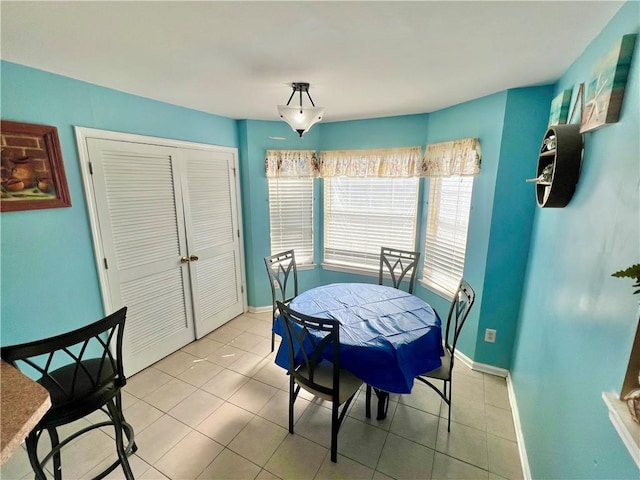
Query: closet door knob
point(193, 258)
point(184, 260)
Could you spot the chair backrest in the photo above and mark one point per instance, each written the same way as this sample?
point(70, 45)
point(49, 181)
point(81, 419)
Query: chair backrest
point(84, 355)
point(282, 268)
point(458, 312)
point(311, 341)
point(399, 265)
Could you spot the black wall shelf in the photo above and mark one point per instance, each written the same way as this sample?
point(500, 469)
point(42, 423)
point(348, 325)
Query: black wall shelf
point(560, 152)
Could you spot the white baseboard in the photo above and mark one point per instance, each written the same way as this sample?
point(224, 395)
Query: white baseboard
point(481, 367)
point(265, 309)
point(504, 373)
point(464, 359)
point(524, 460)
point(490, 369)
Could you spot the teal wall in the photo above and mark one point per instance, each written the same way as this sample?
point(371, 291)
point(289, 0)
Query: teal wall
point(482, 118)
point(525, 121)
point(577, 322)
point(509, 126)
point(48, 276)
point(388, 132)
point(254, 142)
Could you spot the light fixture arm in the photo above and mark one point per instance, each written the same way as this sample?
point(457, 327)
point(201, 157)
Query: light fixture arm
point(310, 99)
point(300, 87)
point(292, 94)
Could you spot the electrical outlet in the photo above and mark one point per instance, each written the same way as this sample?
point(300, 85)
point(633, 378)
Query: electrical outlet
point(490, 335)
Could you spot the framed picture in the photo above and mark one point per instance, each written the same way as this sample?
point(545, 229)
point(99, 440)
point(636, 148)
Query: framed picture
point(32, 171)
point(560, 108)
point(605, 90)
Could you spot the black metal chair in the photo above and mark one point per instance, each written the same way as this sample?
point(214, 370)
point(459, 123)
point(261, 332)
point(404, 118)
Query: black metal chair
point(400, 265)
point(458, 313)
point(314, 364)
point(279, 267)
point(82, 376)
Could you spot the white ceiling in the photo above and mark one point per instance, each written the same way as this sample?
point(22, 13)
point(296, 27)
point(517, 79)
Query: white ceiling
point(363, 59)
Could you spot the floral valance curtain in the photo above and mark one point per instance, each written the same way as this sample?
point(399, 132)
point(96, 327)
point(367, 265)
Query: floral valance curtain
point(458, 157)
point(291, 163)
point(386, 162)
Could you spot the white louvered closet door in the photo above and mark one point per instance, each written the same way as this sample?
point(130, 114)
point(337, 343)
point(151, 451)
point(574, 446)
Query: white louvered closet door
point(213, 237)
point(138, 197)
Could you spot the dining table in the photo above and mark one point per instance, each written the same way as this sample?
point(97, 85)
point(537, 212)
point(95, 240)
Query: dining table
point(387, 336)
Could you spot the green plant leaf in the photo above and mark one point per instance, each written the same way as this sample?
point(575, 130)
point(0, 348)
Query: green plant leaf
point(632, 272)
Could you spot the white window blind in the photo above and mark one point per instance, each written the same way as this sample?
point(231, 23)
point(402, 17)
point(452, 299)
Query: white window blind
point(363, 214)
point(446, 232)
point(291, 217)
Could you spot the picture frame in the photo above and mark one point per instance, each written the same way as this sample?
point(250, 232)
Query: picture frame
point(31, 168)
point(605, 90)
point(559, 113)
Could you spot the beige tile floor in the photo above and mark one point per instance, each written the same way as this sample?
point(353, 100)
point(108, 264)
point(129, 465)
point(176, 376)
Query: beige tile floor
point(217, 409)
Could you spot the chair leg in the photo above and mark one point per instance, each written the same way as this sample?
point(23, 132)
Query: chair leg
point(55, 441)
point(334, 432)
point(32, 452)
point(367, 406)
point(292, 399)
point(116, 416)
point(383, 404)
point(273, 335)
point(447, 394)
point(128, 431)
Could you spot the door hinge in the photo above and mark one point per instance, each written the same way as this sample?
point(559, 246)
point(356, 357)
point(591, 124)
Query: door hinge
point(234, 171)
point(238, 232)
point(106, 265)
point(90, 168)
point(241, 288)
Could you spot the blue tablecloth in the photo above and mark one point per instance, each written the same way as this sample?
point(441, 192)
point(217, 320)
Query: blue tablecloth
point(387, 336)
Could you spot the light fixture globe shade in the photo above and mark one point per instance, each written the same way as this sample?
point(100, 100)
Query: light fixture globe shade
point(300, 119)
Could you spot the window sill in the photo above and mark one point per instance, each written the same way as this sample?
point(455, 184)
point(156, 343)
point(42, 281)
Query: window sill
point(432, 288)
point(343, 268)
point(308, 266)
point(628, 430)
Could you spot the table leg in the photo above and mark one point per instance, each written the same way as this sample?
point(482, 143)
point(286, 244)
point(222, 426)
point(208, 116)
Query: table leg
point(383, 403)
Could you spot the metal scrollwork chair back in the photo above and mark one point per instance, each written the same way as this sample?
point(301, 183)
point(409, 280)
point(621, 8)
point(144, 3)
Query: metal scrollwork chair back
point(283, 279)
point(400, 265)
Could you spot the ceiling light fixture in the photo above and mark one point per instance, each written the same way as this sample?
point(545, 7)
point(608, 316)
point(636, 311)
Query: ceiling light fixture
point(300, 118)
